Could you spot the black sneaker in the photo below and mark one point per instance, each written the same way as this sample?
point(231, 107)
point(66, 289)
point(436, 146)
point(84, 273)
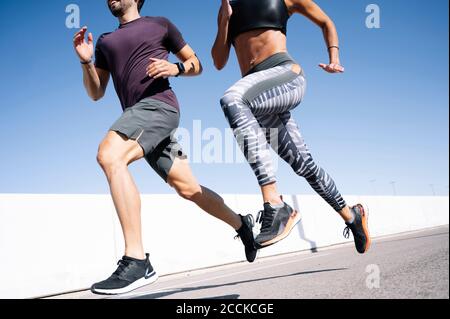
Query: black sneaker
point(359, 228)
point(130, 275)
point(277, 223)
point(245, 233)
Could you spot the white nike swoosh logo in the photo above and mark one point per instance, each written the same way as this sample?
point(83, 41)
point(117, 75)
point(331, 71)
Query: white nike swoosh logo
point(148, 274)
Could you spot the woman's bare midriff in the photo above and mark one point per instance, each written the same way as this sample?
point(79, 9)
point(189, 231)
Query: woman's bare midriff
point(255, 46)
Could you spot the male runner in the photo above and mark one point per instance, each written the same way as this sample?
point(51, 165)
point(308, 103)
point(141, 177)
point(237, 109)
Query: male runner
point(273, 84)
point(135, 55)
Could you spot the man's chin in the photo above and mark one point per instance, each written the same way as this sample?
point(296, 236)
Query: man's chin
point(116, 13)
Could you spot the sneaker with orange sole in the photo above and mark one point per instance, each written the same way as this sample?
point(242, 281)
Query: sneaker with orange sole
point(276, 224)
point(359, 228)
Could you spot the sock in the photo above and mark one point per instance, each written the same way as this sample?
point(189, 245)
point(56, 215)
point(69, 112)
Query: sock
point(278, 206)
point(353, 217)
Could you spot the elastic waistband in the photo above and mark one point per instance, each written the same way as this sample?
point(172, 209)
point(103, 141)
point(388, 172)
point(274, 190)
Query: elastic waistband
point(277, 59)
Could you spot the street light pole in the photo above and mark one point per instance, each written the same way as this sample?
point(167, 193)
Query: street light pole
point(372, 182)
point(393, 187)
point(432, 189)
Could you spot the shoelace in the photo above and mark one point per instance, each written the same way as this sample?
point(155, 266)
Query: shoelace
point(265, 218)
point(122, 267)
point(347, 229)
point(347, 232)
point(252, 224)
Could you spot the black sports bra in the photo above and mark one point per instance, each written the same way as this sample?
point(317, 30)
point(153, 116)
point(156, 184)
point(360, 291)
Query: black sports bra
point(256, 14)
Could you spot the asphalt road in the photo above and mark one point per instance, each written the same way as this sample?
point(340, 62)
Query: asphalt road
point(412, 265)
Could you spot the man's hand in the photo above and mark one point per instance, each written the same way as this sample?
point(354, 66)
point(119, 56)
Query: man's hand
point(84, 50)
point(332, 67)
point(161, 69)
point(226, 11)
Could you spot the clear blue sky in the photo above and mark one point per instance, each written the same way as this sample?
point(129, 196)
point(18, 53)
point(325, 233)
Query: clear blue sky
point(385, 119)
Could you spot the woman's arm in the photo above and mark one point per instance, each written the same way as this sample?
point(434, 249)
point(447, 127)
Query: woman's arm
point(313, 12)
point(221, 49)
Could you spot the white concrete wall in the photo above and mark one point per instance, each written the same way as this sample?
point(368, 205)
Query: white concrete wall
point(57, 243)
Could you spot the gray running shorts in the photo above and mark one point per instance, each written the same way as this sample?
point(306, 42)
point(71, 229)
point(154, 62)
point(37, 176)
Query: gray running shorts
point(152, 124)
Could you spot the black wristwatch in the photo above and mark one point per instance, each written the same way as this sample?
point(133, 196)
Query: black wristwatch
point(181, 69)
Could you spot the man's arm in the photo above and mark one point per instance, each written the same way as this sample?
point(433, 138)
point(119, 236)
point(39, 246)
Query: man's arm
point(221, 48)
point(163, 69)
point(95, 80)
point(192, 64)
point(313, 12)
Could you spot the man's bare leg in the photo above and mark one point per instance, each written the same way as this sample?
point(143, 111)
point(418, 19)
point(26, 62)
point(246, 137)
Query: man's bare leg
point(183, 181)
point(115, 154)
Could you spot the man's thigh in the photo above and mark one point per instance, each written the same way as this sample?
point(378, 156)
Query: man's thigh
point(169, 161)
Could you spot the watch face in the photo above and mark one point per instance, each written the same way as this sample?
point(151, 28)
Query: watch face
point(181, 67)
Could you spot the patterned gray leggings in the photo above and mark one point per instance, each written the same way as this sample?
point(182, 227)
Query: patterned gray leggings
point(258, 110)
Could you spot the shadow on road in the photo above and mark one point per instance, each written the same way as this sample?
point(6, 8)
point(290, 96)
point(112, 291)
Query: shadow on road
point(226, 297)
point(301, 230)
point(166, 293)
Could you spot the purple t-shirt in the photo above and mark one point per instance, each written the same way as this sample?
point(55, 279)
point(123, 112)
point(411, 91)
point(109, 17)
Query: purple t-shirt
point(125, 53)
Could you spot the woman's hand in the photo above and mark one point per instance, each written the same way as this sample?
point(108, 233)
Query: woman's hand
point(332, 67)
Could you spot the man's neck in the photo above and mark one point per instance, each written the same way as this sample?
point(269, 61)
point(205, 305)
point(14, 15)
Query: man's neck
point(129, 16)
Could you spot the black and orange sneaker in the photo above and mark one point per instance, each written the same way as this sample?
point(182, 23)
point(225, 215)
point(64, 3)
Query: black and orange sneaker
point(276, 224)
point(245, 233)
point(359, 228)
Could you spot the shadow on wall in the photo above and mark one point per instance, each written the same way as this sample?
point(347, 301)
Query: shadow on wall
point(301, 229)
